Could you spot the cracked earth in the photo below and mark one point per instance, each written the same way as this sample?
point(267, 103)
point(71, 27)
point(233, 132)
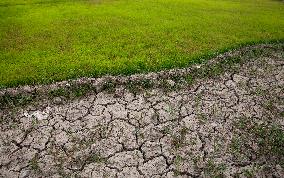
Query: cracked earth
point(187, 132)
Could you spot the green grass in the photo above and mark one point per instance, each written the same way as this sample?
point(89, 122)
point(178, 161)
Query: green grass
point(49, 40)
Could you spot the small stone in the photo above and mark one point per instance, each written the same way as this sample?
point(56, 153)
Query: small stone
point(24, 174)
point(171, 83)
point(239, 78)
point(198, 66)
point(58, 100)
point(28, 89)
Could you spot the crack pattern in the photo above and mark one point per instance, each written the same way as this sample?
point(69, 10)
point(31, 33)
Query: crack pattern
point(181, 133)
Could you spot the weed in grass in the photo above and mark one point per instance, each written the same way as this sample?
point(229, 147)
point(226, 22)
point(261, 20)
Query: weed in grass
point(168, 85)
point(256, 52)
point(176, 173)
point(269, 105)
point(8, 100)
point(33, 163)
point(197, 100)
point(233, 60)
point(259, 92)
point(176, 78)
point(166, 130)
point(216, 70)
point(96, 158)
point(35, 122)
point(282, 114)
point(2, 120)
point(109, 86)
point(146, 84)
point(164, 84)
point(169, 109)
point(243, 123)
point(59, 92)
point(217, 146)
point(202, 118)
point(236, 145)
point(177, 162)
point(196, 159)
point(248, 173)
point(142, 136)
point(81, 90)
point(189, 79)
point(132, 87)
point(137, 86)
point(179, 140)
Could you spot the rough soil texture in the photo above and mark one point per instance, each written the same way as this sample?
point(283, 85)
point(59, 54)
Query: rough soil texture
point(201, 130)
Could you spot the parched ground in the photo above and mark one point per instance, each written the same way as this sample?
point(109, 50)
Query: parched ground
point(226, 126)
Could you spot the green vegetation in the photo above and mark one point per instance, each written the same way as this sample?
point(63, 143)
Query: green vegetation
point(109, 86)
point(268, 137)
point(270, 140)
point(8, 100)
point(214, 170)
point(49, 40)
point(33, 163)
point(96, 158)
point(136, 86)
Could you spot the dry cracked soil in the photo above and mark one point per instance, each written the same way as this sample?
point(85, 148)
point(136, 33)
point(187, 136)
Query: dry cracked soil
point(225, 126)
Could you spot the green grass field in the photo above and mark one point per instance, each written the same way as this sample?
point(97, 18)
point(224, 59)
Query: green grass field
point(49, 40)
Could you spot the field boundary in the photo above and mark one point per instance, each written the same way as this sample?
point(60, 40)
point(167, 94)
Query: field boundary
point(167, 79)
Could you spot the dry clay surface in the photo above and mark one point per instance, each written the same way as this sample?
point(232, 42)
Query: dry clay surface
point(193, 131)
